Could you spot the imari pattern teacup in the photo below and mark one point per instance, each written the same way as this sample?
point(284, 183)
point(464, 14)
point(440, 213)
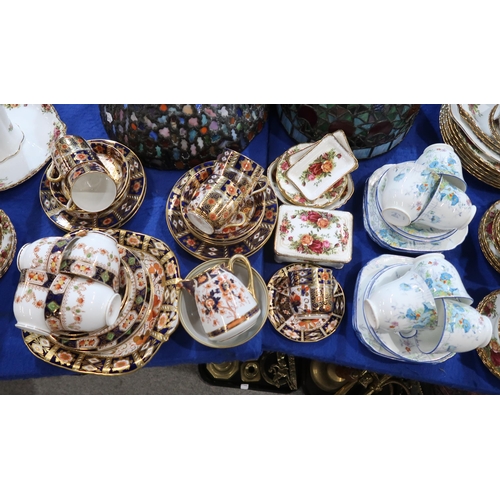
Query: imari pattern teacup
point(311, 291)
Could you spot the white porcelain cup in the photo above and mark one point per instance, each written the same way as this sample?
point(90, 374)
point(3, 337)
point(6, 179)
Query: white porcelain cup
point(95, 255)
point(401, 305)
point(449, 208)
point(11, 136)
point(43, 254)
point(442, 159)
point(461, 328)
point(441, 277)
point(404, 190)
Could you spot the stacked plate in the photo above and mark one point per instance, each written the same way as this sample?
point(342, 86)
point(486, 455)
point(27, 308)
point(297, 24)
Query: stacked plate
point(8, 242)
point(260, 209)
point(124, 166)
point(294, 182)
point(474, 132)
point(148, 314)
point(489, 235)
point(412, 238)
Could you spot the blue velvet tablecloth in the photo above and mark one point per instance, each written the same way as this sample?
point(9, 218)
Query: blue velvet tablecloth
point(463, 371)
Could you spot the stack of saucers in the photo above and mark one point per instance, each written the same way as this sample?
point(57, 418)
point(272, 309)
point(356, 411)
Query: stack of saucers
point(8, 242)
point(416, 310)
point(489, 235)
point(92, 305)
point(304, 175)
point(474, 132)
point(419, 206)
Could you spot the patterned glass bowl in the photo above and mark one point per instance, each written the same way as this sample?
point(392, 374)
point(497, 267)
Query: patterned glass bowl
point(371, 129)
point(181, 136)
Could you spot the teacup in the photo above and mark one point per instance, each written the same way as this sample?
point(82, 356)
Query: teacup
point(44, 254)
point(402, 305)
point(403, 192)
point(244, 172)
point(225, 305)
point(215, 204)
point(441, 277)
point(460, 328)
point(84, 179)
point(11, 136)
point(95, 256)
point(442, 159)
point(449, 208)
point(311, 291)
point(46, 303)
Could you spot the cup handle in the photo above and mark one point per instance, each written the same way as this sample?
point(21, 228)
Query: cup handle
point(238, 224)
point(264, 179)
point(49, 175)
point(246, 263)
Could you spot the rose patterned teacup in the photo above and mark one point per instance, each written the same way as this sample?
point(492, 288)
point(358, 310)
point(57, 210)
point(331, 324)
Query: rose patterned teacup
point(226, 307)
point(311, 291)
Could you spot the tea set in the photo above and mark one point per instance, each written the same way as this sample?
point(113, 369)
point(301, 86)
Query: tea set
point(419, 206)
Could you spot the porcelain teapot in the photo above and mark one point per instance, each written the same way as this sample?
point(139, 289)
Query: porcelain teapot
point(225, 305)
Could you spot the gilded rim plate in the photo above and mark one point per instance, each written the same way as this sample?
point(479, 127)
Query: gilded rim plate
point(380, 232)
point(285, 322)
point(8, 242)
point(205, 249)
point(41, 125)
point(163, 319)
point(118, 214)
point(486, 235)
point(189, 315)
point(490, 355)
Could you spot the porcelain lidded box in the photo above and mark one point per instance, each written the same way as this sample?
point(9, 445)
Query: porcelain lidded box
point(323, 237)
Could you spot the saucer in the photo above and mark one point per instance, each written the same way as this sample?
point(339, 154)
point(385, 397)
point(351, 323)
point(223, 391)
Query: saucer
point(253, 208)
point(163, 319)
point(192, 322)
point(477, 117)
point(41, 125)
point(8, 242)
point(204, 249)
point(490, 355)
point(287, 324)
point(120, 212)
point(361, 327)
point(135, 306)
point(382, 234)
point(486, 235)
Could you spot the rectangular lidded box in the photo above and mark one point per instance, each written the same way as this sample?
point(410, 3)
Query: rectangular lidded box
point(305, 234)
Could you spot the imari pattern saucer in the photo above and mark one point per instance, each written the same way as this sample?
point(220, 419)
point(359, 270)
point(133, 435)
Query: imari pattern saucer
point(490, 355)
point(143, 342)
point(54, 202)
point(205, 248)
point(8, 243)
point(40, 125)
point(283, 318)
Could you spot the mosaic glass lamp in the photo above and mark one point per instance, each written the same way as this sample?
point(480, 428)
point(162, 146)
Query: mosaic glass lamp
point(371, 129)
point(181, 136)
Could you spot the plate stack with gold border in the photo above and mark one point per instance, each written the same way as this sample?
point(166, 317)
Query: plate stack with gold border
point(490, 355)
point(123, 166)
point(489, 235)
point(474, 132)
point(246, 239)
point(149, 273)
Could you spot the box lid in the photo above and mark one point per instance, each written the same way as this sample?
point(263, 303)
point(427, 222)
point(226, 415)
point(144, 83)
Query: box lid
point(318, 235)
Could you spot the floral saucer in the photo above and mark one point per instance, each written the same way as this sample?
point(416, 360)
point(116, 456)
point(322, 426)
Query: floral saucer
point(205, 249)
point(480, 118)
point(487, 233)
point(163, 319)
point(136, 292)
point(490, 355)
point(284, 320)
point(399, 349)
point(8, 242)
point(123, 209)
point(189, 314)
point(41, 125)
point(386, 237)
point(253, 208)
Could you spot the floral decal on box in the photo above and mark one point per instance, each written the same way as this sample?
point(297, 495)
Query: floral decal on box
point(320, 168)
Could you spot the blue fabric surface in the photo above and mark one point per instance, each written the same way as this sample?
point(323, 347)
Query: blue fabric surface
point(464, 371)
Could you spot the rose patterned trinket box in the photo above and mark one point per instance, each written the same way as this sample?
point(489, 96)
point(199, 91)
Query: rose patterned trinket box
point(323, 237)
point(321, 167)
